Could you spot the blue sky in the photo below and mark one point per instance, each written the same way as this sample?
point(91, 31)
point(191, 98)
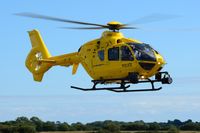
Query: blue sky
point(53, 99)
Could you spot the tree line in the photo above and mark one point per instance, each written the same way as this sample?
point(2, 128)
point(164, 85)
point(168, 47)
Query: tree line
point(35, 124)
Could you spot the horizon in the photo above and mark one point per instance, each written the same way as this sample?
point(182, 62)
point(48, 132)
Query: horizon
point(103, 120)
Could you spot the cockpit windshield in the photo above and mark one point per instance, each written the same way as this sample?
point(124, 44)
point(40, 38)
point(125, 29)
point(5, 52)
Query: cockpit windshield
point(143, 51)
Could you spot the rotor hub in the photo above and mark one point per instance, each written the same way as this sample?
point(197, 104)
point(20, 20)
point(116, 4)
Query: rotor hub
point(114, 25)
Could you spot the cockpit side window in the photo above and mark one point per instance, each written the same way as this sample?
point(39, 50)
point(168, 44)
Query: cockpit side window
point(101, 55)
point(126, 54)
point(113, 54)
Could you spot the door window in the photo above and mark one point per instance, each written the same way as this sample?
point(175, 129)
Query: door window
point(113, 54)
point(126, 54)
point(101, 55)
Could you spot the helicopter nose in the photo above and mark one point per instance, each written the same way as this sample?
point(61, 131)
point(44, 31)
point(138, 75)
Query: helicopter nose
point(160, 63)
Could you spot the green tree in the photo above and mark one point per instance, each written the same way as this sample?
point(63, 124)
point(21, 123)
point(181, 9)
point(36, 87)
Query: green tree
point(17, 129)
point(190, 126)
point(26, 129)
point(49, 126)
point(38, 123)
point(23, 120)
point(78, 126)
point(94, 125)
point(110, 127)
point(63, 127)
point(173, 129)
point(154, 126)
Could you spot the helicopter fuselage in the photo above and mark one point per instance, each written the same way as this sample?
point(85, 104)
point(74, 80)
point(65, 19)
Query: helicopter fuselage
point(114, 57)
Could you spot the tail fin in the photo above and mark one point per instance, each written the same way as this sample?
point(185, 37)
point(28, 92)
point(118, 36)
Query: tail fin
point(38, 52)
point(39, 59)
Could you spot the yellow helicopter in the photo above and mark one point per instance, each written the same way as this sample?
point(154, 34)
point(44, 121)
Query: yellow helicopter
point(110, 59)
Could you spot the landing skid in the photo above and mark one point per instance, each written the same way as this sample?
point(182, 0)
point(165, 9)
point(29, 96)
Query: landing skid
point(124, 87)
point(116, 89)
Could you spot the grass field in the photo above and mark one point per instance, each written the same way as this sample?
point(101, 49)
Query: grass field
point(122, 132)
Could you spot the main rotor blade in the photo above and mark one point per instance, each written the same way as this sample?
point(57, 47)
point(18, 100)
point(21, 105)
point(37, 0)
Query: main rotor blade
point(128, 28)
point(39, 16)
point(153, 18)
point(195, 29)
point(84, 28)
